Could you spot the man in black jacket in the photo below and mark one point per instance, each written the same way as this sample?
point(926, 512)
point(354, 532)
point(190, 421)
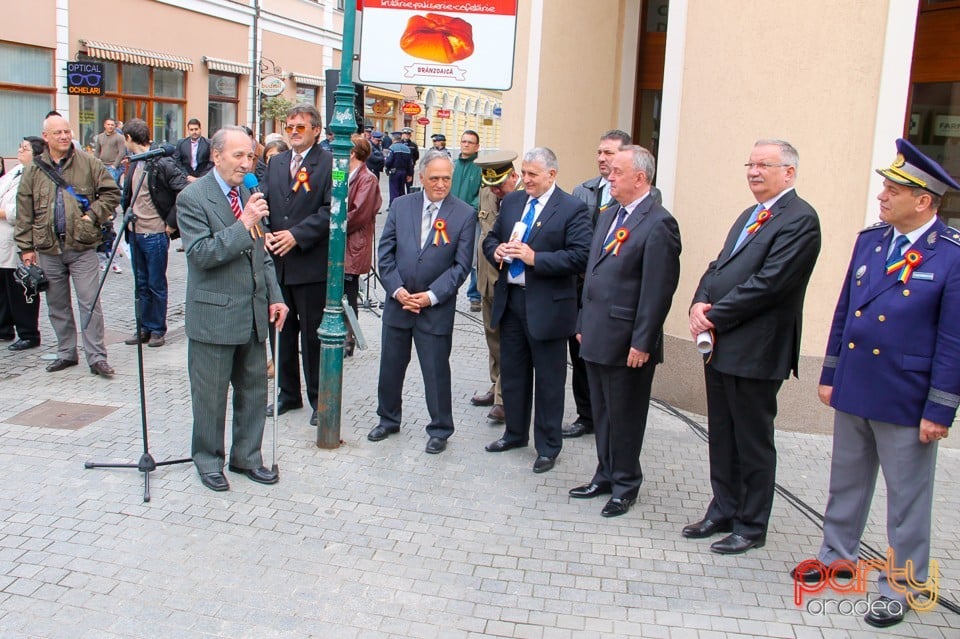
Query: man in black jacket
point(160, 181)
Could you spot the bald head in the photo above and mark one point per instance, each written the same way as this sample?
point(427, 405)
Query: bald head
point(58, 135)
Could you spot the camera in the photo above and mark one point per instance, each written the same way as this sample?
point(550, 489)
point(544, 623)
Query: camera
point(32, 279)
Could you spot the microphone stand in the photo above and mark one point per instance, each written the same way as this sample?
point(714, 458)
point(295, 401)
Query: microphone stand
point(147, 464)
point(372, 275)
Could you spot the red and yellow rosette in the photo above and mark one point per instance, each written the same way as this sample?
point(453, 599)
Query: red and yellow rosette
point(911, 260)
point(762, 217)
point(619, 237)
point(301, 179)
point(440, 232)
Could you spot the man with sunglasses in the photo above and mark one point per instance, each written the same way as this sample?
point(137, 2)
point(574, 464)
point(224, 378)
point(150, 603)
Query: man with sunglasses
point(299, 187)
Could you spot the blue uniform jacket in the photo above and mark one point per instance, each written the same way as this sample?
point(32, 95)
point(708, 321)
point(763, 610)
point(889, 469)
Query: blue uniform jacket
point(894, 349)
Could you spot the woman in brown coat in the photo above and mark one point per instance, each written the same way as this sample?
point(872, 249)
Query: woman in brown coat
point(363, 204)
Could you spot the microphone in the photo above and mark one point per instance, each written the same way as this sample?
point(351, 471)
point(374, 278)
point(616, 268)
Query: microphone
point(250, 181)
point(159, 152)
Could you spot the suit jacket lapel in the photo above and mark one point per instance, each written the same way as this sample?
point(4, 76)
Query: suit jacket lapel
point(632, 223)
point(544, 216)
point(878, 260)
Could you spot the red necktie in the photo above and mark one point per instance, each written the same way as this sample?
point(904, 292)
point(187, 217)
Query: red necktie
point(234, 198)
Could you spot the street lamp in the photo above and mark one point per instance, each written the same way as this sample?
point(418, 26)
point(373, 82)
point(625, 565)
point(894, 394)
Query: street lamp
point(332, 331)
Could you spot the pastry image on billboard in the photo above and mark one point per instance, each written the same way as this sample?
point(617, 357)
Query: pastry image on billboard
point(438, 38)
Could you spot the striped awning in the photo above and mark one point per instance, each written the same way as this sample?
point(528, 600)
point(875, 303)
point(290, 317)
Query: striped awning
point(115, 52)
point(227, 66)
point(307, 80)
point(377, 92)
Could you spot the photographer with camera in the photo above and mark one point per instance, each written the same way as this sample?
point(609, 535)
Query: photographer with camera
point(65, 196)
point(19, 307)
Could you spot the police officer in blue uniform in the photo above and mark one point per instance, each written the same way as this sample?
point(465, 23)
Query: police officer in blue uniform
point(892, 373)
point(400, 165)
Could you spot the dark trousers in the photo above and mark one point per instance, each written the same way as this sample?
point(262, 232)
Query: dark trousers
point(299, 340)
point(15, 311)
point(743, 457)
point(621, 400)
point(433, 351)
point(532, 377)
point(581, 386)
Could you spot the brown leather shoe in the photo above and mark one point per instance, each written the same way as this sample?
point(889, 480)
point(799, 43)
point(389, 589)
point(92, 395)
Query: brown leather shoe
point(102, 368)
point(142, 338)
point(496, 414)
point(156, 341)
point(483, 399)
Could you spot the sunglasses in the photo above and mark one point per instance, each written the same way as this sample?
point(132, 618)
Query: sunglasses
point(299, 128)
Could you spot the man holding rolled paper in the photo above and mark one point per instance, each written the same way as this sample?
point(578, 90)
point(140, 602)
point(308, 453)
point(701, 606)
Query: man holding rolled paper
point(540, 241)
point(750, 302)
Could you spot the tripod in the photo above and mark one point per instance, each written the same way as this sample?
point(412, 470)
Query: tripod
point(147, 464)
point(367, 304)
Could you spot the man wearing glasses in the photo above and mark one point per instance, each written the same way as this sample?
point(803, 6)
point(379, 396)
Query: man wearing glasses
point(298, 195)
point(750, 301)
point(466, 186)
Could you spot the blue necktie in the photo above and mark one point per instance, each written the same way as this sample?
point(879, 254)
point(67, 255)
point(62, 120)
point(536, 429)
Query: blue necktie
point(902, 242)
point(613, 229)
point(516, 266)
point(743, 233)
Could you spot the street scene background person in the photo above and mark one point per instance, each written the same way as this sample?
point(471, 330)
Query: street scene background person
point(535, 303)
point(19, 318)
point(363, 204)
point(232, 295)
point(108, 147)
point(892, 374)
point(424, 256)
point(156, 219)
point(58, 227)
point(193, 152)
point(299, 187)
point(631, 277)
point(466, 187)
point(751, 300)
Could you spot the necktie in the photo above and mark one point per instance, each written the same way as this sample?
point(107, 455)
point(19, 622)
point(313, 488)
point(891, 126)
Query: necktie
point(896, 254)
point(516, 266)
point(295, 164)
point(427, 223)
point(744, 233)
point(234, 198)
point(613, 229)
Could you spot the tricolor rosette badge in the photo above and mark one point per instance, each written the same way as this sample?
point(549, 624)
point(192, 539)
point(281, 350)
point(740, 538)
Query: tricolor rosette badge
point(440, 233)
point(301, 179)
point(762, 218)
point(619, 237)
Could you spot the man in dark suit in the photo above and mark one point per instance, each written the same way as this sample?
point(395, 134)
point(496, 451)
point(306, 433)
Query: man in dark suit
point(193, 152)
point(535, 302)
point(424, 255)
point(750, 302)
point(892, 373)
point(632, 274)
point(232, 294)
point(299, 185)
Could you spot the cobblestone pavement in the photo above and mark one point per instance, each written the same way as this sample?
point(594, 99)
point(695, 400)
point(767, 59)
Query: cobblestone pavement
point(381, 539)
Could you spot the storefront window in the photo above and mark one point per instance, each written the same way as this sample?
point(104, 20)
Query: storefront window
point(224, 101)
point(307, 95)
point(168, 83)
point(935, 128)
point(136, 79)
point(26, 93)
point(167, 123)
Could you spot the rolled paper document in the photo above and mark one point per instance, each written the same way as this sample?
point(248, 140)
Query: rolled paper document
point(705, 342)
point(519, 229)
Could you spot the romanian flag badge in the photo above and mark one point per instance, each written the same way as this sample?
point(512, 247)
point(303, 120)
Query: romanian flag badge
point(619, 238)
point(440, 232)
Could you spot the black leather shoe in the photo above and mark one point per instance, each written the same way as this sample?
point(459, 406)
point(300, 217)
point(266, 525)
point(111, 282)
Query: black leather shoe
point(102, 369)
point(60, 364)
point(436, 445)
point(215, 481)
point(261, 475)
point(283, 407)
point(483, 399)
point(501, 445)
point(313, 418)
point(616, 507)
point(814, 571)
point(706, 528)
point(578, 428)
point(382, 432)
point(734, 544)
point(23, 344)
point(543, 464)
point(588, 491)
point(887, 614)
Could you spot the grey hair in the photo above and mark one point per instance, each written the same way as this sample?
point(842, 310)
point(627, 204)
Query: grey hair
point(643, 161)
point(788, 153)
point(219, 139)
point(431, 155)
point(544, 156)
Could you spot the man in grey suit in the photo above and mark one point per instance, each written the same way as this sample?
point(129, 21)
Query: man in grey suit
point(232, 293)
point(425, 254)
point(632, 274)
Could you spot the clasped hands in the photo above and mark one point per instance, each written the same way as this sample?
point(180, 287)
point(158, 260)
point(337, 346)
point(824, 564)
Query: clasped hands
point(517, 250)
point(412, 302)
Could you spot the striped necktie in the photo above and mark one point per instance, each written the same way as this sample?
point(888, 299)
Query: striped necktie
point(234, 197)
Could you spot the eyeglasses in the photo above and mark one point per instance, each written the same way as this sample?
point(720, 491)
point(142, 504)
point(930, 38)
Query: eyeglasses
point(299, 128)
point(764, 166)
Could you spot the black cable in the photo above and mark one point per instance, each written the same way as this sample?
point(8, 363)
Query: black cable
point(866, 550)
